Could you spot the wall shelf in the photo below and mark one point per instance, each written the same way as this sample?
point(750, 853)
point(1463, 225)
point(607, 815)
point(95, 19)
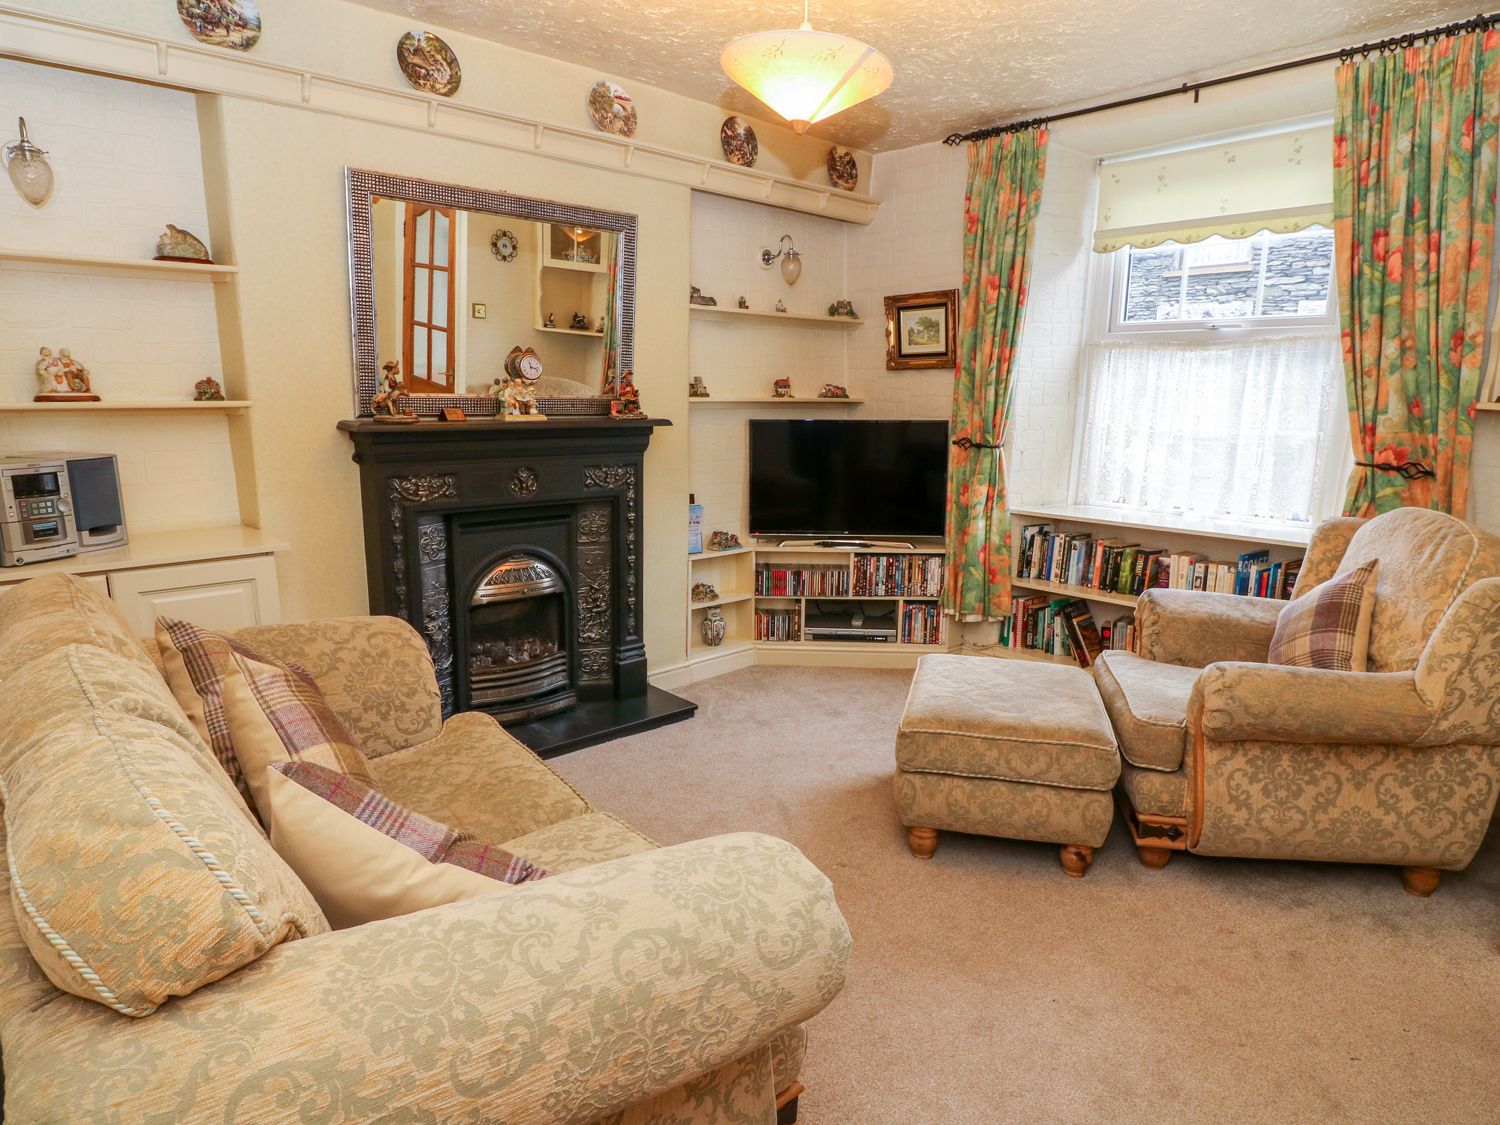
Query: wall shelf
point(576, 333)
point(139, 267)
point(1064, 589)
point(1176, 525)
point(767, 400)
point(1487, 406)
point(124, 406)
point(722, 600)
point(848, 323)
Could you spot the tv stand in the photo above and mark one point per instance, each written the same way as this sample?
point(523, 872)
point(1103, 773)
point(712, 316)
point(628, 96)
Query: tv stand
point(849, 544)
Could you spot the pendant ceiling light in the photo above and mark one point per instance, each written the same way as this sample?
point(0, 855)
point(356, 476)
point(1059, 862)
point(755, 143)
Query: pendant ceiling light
point(806, 75)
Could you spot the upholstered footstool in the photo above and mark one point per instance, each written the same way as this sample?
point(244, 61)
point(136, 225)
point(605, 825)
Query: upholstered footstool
point(1009, 748)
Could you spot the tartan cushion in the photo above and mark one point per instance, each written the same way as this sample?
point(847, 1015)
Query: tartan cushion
point(1329, 626)
point(432, 840)
point(277, 714)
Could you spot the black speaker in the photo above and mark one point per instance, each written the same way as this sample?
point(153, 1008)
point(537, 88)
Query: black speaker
point(98, 506)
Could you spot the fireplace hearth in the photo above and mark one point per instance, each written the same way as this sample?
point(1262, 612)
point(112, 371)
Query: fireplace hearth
point(516, 552)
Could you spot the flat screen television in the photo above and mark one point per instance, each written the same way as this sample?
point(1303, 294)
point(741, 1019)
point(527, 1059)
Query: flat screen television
point(847, 478)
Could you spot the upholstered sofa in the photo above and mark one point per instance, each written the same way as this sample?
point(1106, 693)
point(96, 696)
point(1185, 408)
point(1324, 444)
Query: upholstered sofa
point(638, 984)
point(1225, 754)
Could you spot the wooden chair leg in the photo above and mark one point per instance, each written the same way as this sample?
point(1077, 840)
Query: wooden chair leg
point(786, 1104)
point(1076, 859)
point(1420, 881)
point(1154, 858)
point(922, 841)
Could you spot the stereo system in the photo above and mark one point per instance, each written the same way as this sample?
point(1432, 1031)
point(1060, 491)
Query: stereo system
point(55, 505)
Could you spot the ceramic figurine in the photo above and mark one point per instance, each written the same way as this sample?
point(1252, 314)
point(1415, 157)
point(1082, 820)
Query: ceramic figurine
point(520, 400)
point(704, 592)
point(550, 322)
point(208, 390)
point(178, 245)
point(714, 628)
point(61, 378)
point(393, 403)
point(579, 321)
point(843, 308)
point(780, 305)
point(742, 303)
point(833, 390)
point(724, 541)
point(627, 402)
point(696, 297)
point(600, 328)
point(697, 388)
point(782, 388)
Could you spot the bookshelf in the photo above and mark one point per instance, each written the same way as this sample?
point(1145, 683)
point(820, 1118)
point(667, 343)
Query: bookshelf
point(1216, 541)
point(759, 585)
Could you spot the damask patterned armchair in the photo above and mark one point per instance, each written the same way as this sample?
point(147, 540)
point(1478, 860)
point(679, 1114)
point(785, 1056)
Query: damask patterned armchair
point(1227, 755)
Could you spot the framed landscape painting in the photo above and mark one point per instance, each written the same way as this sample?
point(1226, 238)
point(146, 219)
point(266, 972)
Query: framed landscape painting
point(919, 330)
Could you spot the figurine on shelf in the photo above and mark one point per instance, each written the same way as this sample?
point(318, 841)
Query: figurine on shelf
point(782, 388)
point(550, 322)
point(208, 390)
point(714, 627)
point(780, 305)
point(724, 541)
point(627, 402)
point(705, 592)
point(579, 323)
point(520, 400)
point(833, 390)
point(61, 378)
point(393, 403)
point(178, 245)
point(696, 297)
point(843, 308)
point(697, 388)
point(600, 328)
point(742, 303)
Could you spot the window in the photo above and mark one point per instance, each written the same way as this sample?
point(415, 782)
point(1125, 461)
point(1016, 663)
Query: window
point(427, 325)
point(1213, 382)
point(1266, 281)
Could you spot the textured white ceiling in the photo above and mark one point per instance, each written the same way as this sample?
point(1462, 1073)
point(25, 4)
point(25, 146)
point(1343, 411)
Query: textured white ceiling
point(959, 63)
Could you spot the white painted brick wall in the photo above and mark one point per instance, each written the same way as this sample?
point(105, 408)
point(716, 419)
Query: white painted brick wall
point(127, 162)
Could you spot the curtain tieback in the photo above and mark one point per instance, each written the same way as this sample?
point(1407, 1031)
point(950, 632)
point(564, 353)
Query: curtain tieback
point(968, 443)
point(1411, 470)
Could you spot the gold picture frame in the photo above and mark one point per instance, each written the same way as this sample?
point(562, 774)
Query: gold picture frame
point(920, 330)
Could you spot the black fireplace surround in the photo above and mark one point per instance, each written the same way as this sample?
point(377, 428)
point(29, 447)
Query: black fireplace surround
point(515, 549)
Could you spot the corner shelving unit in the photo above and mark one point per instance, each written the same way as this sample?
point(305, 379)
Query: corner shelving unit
point(848, 323)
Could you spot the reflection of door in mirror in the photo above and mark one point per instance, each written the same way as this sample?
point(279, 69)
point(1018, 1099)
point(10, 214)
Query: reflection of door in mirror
point(427, 342)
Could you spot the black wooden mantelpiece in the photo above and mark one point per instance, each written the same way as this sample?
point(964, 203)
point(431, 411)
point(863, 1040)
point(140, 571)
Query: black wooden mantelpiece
point(424, 483)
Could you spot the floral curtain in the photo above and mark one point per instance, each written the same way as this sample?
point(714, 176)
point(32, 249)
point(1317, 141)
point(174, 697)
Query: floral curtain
point(1000, 205)
point(610, 368)
point(1414, 210)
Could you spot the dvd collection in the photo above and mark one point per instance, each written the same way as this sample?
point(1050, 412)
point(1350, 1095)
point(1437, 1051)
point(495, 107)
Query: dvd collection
point(898, 576)
point(778, 624)
point(801, 581)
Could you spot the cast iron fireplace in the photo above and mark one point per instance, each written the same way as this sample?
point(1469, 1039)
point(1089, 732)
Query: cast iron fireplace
point(517, 660)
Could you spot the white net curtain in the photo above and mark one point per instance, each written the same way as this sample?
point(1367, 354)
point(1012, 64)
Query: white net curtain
point(1235, 429)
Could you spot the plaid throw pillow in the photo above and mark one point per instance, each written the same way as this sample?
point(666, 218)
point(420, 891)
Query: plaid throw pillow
point(1329, 626)
point(197, 662)
point(365, 857)
point(277, 714)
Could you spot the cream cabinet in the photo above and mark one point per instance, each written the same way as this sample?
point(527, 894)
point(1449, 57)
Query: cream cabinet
point(223, 594)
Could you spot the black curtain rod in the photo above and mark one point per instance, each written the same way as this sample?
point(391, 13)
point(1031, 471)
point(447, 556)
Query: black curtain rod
point(1411, 38)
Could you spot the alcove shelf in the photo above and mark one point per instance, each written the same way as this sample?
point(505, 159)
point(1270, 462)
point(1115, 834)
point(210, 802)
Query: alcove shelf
point(848, 323)
point(135, 406)
point(767, 400)
point(139, 267)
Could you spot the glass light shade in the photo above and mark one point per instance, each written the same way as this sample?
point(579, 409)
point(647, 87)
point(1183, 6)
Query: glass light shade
point(28, 168)
point(806, 75)
point(791, 267)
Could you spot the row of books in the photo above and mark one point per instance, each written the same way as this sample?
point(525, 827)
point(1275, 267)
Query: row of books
point(802, 581)
point(778, 625)
point(1079, 559)
point(898, 576)
point(922, 624)
point(1064, 627)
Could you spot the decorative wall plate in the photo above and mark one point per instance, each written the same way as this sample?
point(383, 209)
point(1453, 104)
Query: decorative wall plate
point(504, 245)
point(234, 24)
point(611, 109)
point(738, 139)
point(428, 63)
point(843, 169)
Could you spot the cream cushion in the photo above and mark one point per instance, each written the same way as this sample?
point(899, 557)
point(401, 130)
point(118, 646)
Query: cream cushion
point(356, 872)
point(137, 873)
point(1148, 703)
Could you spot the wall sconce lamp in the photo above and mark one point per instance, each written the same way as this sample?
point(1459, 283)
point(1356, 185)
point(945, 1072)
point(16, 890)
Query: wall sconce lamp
point(791, 261)
point(28, 169)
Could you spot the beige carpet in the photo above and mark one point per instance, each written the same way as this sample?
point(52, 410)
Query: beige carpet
point(987, 987)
